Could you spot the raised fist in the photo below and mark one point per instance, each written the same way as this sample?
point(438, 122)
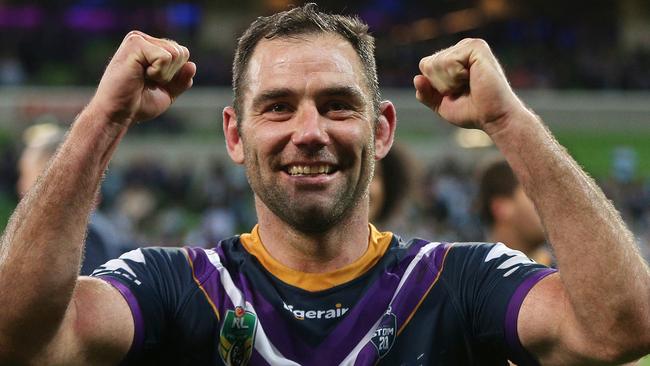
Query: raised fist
point(143, 78)
point(466, 86)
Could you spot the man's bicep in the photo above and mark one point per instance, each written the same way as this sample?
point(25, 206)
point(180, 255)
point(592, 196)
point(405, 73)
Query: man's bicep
point(548, 327)
point(98, 327)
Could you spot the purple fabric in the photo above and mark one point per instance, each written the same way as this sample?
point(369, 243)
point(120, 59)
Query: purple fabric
point(413, 292)
point(341, 341)
point(362, 316)
point(200, 263)
point(512, 314)
point(193, 252)
point(257, 359)
point(222, 255)
point(365, 312)
point(367, 356)
point(439, 257)
point(138, 321)
point(377, 299)
point(275, 327)
point(209, 278)
point(349, 331)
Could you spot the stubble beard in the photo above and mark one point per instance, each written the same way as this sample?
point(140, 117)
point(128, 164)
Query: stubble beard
point(299, 213)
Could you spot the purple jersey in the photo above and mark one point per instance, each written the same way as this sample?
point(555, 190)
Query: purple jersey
point(411, 303)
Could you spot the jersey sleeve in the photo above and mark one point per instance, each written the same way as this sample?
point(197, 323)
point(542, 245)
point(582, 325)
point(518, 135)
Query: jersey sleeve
point(488, 283)
point(154, 282)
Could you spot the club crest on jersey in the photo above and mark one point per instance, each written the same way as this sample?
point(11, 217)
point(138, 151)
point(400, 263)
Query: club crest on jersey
point(385, 333)
point(237, 336)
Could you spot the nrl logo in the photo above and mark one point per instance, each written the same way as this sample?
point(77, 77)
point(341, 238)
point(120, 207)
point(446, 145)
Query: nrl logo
point(237, 336)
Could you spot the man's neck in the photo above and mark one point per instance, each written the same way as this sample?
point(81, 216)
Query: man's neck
point(315, 253)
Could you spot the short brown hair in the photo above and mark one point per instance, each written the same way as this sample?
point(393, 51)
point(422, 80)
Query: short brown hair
point(298, 21)
point(497, 180)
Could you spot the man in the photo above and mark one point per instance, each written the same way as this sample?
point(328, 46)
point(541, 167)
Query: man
point(509, 214)
point(41, 142)
point(314, 283)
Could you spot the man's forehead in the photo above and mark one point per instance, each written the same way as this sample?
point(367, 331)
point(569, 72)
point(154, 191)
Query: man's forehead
point(304, 55)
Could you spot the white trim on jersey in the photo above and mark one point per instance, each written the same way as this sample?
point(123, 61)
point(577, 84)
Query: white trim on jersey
point(119, 263)
point(515, 261)
point(263, 345)
point(424, 251)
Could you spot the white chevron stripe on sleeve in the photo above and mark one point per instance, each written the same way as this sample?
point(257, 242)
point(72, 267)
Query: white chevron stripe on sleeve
point(515, 261)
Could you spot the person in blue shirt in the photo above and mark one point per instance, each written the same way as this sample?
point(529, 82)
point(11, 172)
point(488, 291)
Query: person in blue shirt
point(102, 241)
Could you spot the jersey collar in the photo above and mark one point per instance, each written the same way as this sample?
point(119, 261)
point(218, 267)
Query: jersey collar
point(378, 243)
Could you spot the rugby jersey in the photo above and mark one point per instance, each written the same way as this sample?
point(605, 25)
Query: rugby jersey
point(401, 303)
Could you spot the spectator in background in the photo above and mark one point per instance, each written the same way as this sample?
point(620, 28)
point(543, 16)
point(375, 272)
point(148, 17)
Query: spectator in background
point(625, 189)
point(509, 214)
point(447, 202)
point(389, 189)
point(41, 142)
point(218, 219)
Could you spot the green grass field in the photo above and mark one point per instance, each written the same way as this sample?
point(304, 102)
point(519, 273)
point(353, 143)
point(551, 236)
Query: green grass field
point(594, 149)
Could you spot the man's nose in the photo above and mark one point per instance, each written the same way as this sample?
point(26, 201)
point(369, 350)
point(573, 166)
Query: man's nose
point(310, 128)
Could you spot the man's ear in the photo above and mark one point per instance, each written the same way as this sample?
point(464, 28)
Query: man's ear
point(234, 143)
point(385, 129)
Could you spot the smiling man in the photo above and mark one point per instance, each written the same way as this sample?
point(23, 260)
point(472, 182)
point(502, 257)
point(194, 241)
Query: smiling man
point(314, 283)
point(308, 133)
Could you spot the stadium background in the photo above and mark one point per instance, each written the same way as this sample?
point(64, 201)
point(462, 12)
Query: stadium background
point(584, 66)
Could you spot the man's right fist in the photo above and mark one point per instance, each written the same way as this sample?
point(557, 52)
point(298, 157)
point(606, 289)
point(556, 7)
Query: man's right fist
point(143, 78)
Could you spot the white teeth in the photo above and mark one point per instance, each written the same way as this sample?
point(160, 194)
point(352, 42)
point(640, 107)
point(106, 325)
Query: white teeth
point(309, 170)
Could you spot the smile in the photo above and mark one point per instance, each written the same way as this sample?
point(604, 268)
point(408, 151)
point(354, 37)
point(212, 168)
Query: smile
point(296, 170)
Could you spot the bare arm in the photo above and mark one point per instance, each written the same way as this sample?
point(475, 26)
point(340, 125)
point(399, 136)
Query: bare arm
point(46, 310)
point(597, 309)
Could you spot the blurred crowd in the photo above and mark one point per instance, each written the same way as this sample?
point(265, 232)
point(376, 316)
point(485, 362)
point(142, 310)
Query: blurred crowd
point(540, 44)
point(146, 203)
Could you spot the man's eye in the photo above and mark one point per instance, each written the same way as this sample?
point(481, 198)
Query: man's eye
point(338, 106)
point(279, 108)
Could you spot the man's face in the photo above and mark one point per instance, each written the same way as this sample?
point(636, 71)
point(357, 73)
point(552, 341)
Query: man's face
point(31, 164)
point(307, 131)
point(526, 219)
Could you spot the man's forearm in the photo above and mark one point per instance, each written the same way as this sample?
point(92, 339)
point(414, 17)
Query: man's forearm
point(605, 278)
point(41, 248)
